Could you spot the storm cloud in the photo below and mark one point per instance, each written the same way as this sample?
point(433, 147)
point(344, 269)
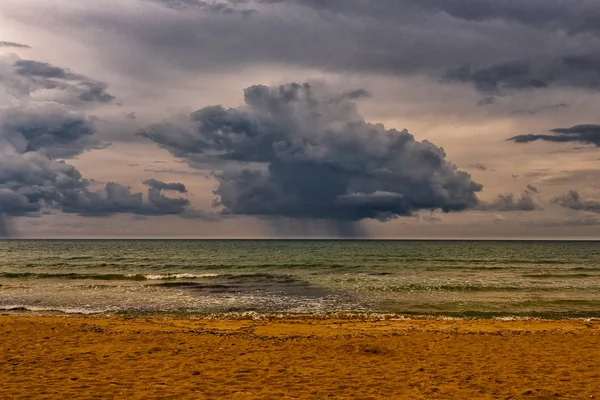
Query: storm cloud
point(300, 151)
point(461, 73)
point(36, 136)
point(588, 134)
point(399, 38)
point(33, 180)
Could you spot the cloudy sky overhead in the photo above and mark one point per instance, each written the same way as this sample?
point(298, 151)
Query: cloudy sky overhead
point(300, 118)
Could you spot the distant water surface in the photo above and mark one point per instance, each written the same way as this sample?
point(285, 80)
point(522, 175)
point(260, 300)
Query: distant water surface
point(479, 279)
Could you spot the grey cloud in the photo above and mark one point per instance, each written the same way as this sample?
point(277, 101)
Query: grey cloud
point(6, 230)
point(393, 37)
point(574, 201)
point(13, 44)
point(580, 70)
point(532, 189)
point(589, 178)
point(575, 16)
point(588, 134)
point(32, 181)
point(580, 220)
point(537, 110)
point(213, 7)
point(487, 101)
point(303, 152)
point(480, 167)
point(173, 171)
point(511, 75)
point(116, 198)
point(52, 131)
point(159, 185)
point(509, 202)
point(47, 76)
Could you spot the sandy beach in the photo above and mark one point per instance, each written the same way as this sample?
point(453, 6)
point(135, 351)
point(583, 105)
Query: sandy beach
point(161, 358)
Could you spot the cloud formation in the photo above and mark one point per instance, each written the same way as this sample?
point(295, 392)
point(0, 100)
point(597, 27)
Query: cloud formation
point(32, 180)
point(35, 138)
point(42, 75)
point(13, 44)
point(300, 151)
point(159, 185)
point(588, 134)
point(213, 7)
point(509, 202)
point(50, 130)
point(574, 201)
point(395, 37)
point(115, 198)
point(579, 70)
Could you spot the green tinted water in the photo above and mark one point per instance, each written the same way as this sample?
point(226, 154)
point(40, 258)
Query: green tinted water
point(458, 278)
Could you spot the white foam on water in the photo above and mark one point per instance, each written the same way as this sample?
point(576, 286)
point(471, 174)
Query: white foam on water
point(65, 310)
point(517, 319)
point(159, 277)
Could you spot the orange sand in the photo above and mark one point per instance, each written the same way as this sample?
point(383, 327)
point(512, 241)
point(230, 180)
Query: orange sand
point(156, 358)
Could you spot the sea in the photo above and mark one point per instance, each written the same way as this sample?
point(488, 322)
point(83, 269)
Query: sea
point(454, 279)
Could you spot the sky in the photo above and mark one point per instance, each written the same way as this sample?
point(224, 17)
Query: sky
point(300, 118)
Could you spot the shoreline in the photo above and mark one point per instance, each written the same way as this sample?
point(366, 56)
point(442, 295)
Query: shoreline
point(50, 356)
point(372, 316)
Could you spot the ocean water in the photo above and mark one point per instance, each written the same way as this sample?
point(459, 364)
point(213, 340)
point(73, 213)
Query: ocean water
point(470, 279)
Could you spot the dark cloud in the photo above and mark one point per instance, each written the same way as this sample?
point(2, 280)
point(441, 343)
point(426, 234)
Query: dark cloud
point(582, 70)
point(575, 16)
point(173, 171)
point(303, 152)
point(5, 227)
point(509, 202)
point(511, 75)
point(588, 134)
point(395, 37)
point(537, 110)
point(487, 101)
point(213, 7)
point(480, 167)
point(574, 201)
point(159, 185)
point(46, 76)
point(53, 131)
point(116, 198)
point(13, 44)
point(532, 189)
point(33, 181)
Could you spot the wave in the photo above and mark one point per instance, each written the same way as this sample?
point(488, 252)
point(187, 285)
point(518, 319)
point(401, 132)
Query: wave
point(339, 315)
point(472, 288)
point(51, 309)
point(104, 277)
point(567, 276)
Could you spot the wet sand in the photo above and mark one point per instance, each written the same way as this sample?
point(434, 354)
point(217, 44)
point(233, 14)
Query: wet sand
point(159, 358)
